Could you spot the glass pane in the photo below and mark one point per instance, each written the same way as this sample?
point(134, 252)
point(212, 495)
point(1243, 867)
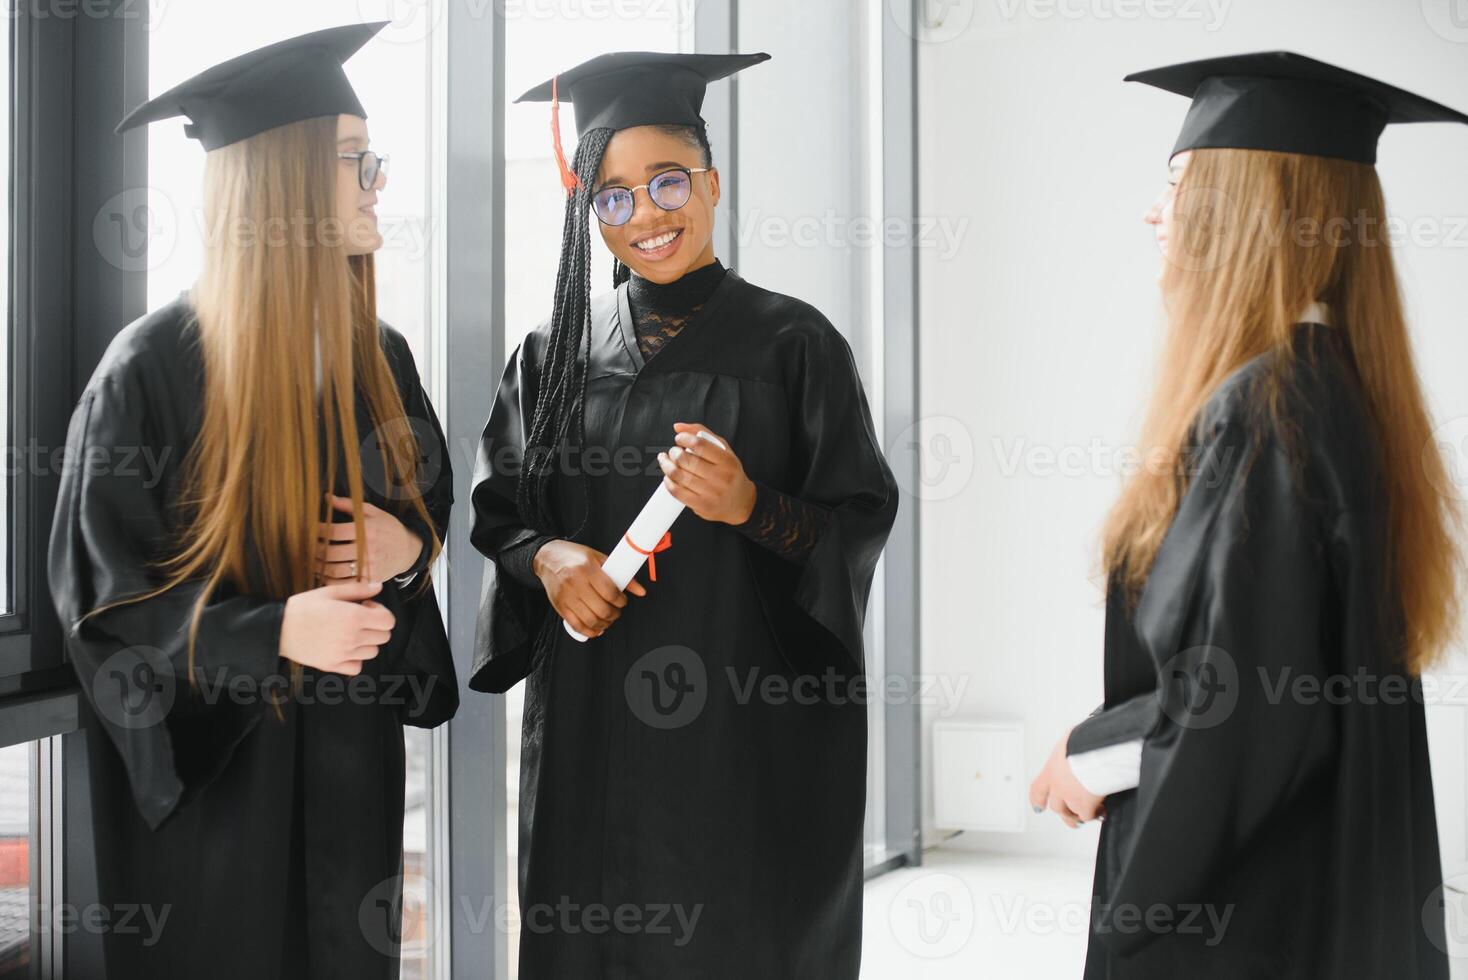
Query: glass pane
point(10, 469)
point(15, 862)
point(391, 75)
point(542, 38)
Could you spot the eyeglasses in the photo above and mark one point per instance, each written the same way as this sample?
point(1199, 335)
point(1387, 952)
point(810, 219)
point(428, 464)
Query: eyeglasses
point(369, 165)
point(669, 190)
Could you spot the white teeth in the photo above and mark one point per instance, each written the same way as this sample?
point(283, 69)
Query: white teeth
point(658, 242)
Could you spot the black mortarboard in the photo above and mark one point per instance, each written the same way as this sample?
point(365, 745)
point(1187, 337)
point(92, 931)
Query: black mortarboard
point(635, 88)
point(285, 82)
point(1278, 100)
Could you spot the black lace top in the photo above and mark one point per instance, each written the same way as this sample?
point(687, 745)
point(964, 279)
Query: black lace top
point(786, 525)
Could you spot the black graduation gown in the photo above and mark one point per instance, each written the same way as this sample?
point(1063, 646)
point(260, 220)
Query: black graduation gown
point(1284, 825)
point(272, 845)
point(724, 828)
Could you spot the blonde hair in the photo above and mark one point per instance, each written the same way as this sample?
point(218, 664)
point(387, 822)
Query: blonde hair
point(1256, 237)
point(276, 283)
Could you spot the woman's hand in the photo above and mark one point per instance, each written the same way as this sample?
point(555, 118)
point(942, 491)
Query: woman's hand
point(1056, 787)
point(582, 594)
point(710, 480)
point(391, 549)
point(336, 627)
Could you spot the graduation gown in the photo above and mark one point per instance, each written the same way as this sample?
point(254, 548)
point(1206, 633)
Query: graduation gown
point(692, 781)
point(1284, 824)
point(267, 846)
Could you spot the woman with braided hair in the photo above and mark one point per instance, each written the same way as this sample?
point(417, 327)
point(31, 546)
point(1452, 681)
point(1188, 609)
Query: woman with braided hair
point(693, 774)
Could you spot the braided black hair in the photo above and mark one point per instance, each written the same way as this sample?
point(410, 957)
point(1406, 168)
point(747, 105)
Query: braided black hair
point(559, 419)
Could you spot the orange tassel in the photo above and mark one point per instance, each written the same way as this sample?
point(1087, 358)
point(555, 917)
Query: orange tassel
point(569, 180)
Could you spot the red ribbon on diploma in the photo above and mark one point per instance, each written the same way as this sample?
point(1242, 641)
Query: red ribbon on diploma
point(652, 563)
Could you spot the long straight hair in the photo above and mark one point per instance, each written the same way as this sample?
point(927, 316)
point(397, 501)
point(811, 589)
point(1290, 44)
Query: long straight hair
point(1233, 289)
point(277, 284)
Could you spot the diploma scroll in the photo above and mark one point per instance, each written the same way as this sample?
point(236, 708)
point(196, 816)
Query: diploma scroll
point(644, 537)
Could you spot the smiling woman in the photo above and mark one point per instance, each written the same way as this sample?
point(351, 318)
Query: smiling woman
point(723, 696)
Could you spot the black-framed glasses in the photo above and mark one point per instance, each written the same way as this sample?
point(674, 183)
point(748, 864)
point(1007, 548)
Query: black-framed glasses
point(669, 190)
point(369, 165)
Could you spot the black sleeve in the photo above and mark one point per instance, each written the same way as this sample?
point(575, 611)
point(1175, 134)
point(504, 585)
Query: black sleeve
point(512, 607)
point(816, 609)
point(112, 519)
point(518, 561)
point(786, 525)
point(1124, 722)
point(1238, 596)
point(427, 654)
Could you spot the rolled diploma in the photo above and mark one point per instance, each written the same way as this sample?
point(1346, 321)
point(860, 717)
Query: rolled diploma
point(651, 523)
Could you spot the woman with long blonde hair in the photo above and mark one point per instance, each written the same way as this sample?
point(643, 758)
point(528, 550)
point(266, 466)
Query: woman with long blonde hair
point(252, 618)
point(1280, 573)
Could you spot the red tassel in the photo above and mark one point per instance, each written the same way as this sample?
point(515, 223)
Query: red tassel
point(569, 180)
point(652, 562)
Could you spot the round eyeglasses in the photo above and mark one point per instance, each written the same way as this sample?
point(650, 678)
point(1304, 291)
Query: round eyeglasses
point(669, 190)
point(369, 165)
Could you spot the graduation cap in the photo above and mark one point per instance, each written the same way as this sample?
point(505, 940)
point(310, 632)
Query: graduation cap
point(285, 82)
point(634, 88)
point(1278, 100)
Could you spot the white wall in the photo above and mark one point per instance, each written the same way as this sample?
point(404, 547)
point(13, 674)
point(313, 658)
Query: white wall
point(1039, 332)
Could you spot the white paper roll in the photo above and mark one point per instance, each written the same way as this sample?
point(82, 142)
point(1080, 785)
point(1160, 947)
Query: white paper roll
point(651, 523)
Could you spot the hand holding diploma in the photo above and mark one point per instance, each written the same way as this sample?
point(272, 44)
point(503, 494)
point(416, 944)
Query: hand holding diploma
point(1056, 788)
point(582, 594)
point(700, 471)
point(706, 476)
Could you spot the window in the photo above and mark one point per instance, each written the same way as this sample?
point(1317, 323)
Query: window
point(15, 862)
point(8, 444)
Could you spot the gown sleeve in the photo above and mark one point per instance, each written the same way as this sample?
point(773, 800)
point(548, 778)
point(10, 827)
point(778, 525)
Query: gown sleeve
point(132, 659)
point(427, 654)
point(1238, 596)
point(786, 525)
point(816, 608)
point(512, 608)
